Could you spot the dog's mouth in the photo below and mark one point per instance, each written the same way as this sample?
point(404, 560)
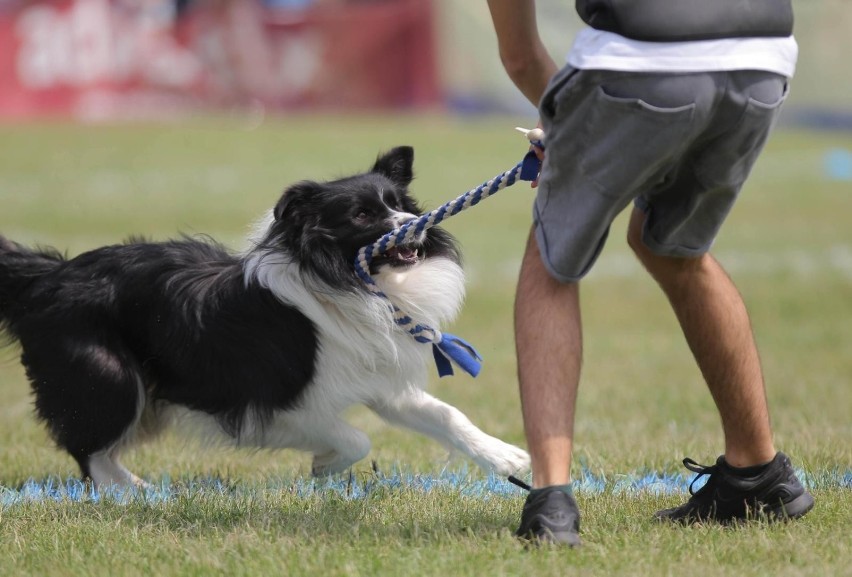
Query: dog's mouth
point(406, 255)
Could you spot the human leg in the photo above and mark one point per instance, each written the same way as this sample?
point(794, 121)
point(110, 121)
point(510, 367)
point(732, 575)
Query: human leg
point(751, 479)
point(548, 340)
point(716, 325)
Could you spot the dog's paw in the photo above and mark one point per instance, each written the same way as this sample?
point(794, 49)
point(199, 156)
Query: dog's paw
point(330, 463)
point(509, 460)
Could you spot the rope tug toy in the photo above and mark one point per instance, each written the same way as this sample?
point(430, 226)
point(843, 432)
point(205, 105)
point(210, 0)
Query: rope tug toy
point(446, 347)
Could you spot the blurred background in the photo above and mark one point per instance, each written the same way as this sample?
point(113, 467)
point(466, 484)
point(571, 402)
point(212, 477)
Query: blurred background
point(117, 59)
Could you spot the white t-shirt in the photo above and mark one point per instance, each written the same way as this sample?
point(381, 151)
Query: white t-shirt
point(596, 49)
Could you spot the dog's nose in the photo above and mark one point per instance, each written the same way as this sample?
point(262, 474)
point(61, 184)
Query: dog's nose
point(400, 218)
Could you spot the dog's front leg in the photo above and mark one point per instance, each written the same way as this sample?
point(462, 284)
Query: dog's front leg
point(425, 414)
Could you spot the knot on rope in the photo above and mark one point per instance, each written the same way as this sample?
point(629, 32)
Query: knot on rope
point(446, 348)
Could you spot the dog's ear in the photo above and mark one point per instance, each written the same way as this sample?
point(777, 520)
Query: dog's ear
point(291, 196)
point(397, 165)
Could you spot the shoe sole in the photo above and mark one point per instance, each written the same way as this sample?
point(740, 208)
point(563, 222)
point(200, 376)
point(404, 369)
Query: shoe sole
point(796, 508)
point(548, 537)
point(570, 538)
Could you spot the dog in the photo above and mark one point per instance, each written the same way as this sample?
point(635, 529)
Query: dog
point(264, 348)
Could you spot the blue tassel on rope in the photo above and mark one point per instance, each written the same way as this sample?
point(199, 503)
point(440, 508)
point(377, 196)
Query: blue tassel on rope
point(530, 167)
point(456, 349)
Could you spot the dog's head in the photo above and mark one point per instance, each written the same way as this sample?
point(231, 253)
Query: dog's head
point(322, 225)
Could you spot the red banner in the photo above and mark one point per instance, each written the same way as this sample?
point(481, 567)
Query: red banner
point(99, 59)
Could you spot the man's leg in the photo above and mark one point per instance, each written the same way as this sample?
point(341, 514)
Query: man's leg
point(548, 339)
point(549, 349)
point(715, 323)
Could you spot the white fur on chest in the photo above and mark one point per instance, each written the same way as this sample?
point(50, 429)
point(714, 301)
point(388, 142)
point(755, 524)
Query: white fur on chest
point(363, 356)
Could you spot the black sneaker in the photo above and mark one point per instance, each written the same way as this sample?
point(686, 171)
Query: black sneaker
point(772, 492)
point(550, 515)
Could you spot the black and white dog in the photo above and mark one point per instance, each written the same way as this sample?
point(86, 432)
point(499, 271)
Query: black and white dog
point(263, 349)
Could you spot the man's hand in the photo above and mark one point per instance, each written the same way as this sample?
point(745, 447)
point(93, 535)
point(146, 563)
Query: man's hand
point(539, 152)
point(536, 138)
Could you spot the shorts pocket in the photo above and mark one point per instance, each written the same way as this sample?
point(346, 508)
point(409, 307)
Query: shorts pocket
point(550, 99)
point(639, 105)
point(730, 160)
point(626, 141)
point(758, 101)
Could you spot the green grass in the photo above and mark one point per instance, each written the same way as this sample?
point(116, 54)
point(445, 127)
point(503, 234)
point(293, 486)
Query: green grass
point(642, 404)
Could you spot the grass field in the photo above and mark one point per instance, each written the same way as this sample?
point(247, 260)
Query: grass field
point(643, 406)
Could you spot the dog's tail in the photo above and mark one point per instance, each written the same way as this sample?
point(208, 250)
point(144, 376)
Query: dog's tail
point(20, 267)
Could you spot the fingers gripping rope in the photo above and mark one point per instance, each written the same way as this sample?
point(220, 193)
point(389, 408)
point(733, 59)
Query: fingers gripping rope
point(446, 348)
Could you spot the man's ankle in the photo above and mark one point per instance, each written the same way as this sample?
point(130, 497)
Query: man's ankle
point(566, 488)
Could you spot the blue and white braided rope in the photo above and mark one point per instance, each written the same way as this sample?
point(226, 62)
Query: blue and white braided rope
point(445, 347)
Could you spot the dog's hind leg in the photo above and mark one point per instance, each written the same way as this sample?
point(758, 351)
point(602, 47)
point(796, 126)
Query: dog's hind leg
point(105, 471)
point(341, 454)
point(335, 444)
point(91, 396)
point(434, 418)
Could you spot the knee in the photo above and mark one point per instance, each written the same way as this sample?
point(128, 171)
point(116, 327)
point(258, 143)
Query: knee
point(652, 262)
point(648, 259)
point(634, 239)
point(664, 269)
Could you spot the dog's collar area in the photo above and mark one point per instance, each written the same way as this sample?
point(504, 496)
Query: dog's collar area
point(447, 349)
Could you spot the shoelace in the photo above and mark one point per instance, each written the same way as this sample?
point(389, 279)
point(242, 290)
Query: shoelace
point(515, 481)
point(690, 464)
point(701, 470)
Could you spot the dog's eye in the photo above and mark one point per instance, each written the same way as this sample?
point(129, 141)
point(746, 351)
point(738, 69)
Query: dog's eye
point(362, 215)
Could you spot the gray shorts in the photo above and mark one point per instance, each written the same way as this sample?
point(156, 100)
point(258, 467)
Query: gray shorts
point(679, 146)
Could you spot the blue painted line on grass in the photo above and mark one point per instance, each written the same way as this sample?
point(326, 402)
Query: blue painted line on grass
point(362, 486)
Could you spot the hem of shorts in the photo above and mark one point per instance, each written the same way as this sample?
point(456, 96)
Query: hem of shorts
point(660, 249)
point(542, 246)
